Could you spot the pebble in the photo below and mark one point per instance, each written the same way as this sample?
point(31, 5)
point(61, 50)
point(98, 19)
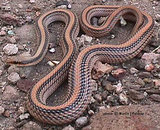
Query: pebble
point(69, 127)
point(52, 50)
point(157, 17)
point(133, 70)
point(2, 33)
point(1, 110)
point(149, 67)
point(10, 32)
point(101, 108)
point(63, 4)
point(145, 75)
point(10, 49)
point(29, 19)
point(25, 72)
point(24, 116)
point(150, 57)
point(109, 87)
point(13, 77)
point(98, 97)
point(155, 97)
point(81, 121)
point(123, 21)
point(10, 93)
point(156, 82)
point(136, 95)
point(32, 1)
point(118, 72)
point(87, 38)
point(50, 63)
point(104, 1)
point(13, 68)
point(1, 72)
point(118, 87)
point(31, 126)
point(12, 40)
point(123, 98)
point(104, 95)
point(91, 112)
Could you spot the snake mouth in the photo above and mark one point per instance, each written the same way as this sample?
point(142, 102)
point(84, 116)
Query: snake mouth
point(12, 60)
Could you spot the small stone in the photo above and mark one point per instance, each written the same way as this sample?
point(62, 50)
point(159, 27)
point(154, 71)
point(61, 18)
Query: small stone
point(31, 126)
point(157, 17)
point(104, 95)
point(7, 113)
point(2, 33)
point(123, 21)
point(133, 70)
point(87, 38)
point(10, 32)
point(62, 3)
point(98, 97)
point(118, 87)
point(118, 72)
point(109, 87)
point(93, 100)
point(13, 68)
point(69, 6)
point(20, 6)
point(29, 19)
point(25, 72)
point(38, 13)
point(123, 98)
point(136, 95)
point(1, 72)
point(50, 63)
point(101, 69)
point(111, 99)
point(155, 97)
point(156, 82)
point(112, 36)
point(69, 127)
point(91, 112)
point(103, 1)
point(12, 40)
point(62, 7)
point(150, 57)
point(149, 67)
point(81, 121)
point(24, 116)
point(145, 75)
point(101, 108)
point(21, 110)
point(10, 49)
point(1, 110)
point(10, 93)
point(32, 1)
point(52, 50)
point(13, 77)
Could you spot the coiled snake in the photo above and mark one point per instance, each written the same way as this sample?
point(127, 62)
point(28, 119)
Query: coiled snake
point(79, 77)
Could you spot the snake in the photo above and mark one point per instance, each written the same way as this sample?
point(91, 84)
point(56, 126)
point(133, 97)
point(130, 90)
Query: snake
point(77, 66)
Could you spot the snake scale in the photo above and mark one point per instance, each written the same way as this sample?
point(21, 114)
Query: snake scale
point(78, 68)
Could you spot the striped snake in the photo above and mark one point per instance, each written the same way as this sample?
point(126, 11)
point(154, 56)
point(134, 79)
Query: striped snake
point(79, 69)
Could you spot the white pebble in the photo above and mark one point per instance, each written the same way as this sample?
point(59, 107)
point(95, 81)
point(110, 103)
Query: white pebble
point(81, 121)
point(52, 50)
point(10, 49)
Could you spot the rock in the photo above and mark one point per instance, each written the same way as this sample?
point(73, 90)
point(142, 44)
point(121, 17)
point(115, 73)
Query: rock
point(112, 79)
point(32, 1)
point(123, 98)
point(13, 68)
point(52, 50)
point(101, 69)
point(1, 72)
point(101, 108)
point(1, 110)
point(2, 33)
point(69, 127)
point(133, 70)
point(63, 4)
point(135, 95)
point(133, 117)
point(91, 112)
point(149, 67)
point(10, 49)
point(150, 57)
point(29, 19)
point(140, 64)
point(109, 87)
point(123, 21)
point(118, 72)
point(157, 17)
point(9, 19)
point(10, 32)
point(118, 87)
point(153, 91)
point(94, 21)
point(13, 77)
point(98, 97)
point(25, 85)
point(24, 116)
point(104, 95)
point(81, 121)
point(156, 82)
point(12, 40)
point(140, 82)
point(10, 93)
point(155, 97)
point(103, 1)
point(145, 75)
point(31, 126)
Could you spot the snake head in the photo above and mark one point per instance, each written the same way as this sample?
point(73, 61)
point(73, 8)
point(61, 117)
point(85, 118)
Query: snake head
point(13, 60)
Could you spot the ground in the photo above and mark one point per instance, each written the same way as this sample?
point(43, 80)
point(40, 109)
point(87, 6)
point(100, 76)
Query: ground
point(131, 85)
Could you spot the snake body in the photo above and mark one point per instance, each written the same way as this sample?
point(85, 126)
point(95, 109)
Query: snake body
point(79, 68)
